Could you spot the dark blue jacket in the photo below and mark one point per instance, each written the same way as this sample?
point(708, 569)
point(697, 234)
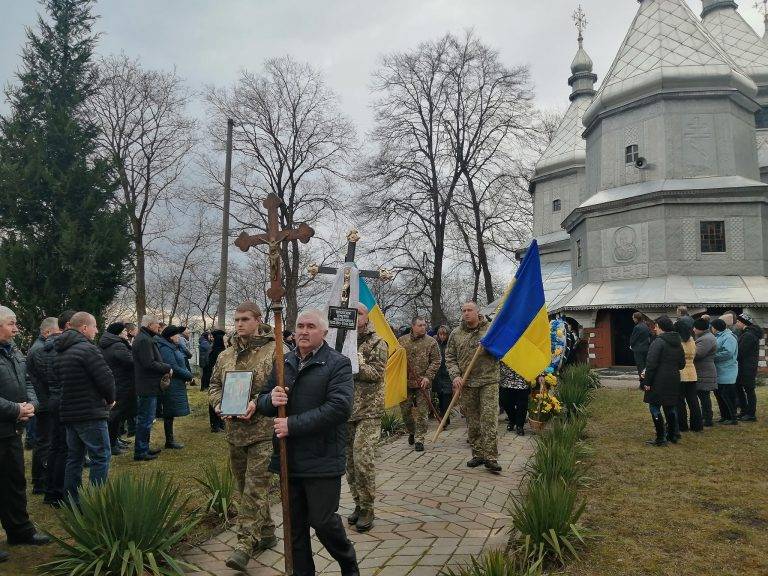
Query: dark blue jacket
point(174, 401)
point(319, 405)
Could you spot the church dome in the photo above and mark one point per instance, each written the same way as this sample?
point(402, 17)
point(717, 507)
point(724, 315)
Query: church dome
point(581, 62)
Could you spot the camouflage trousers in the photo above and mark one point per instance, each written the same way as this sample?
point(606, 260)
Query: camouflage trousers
point(415, 413)
point(362, 438)
point(249, 469)
point(480, 407)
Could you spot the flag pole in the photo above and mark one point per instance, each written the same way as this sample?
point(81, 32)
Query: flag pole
point(456, 394)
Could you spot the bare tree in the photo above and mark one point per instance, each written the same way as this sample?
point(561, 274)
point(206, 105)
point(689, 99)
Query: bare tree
point(412, 178)
point(490, 123)
point(290, 139)
point(145, 132)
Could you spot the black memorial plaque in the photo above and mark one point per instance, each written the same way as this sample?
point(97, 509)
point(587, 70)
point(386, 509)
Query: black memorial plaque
point(342, 318)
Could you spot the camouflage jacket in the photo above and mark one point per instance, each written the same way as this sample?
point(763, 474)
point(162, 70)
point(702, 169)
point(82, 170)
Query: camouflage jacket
point(372, 353)
point(424, 358)
point(255, 353)
point(462, 344)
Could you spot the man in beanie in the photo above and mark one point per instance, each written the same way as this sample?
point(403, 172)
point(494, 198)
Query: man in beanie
point(749, 351)
point(727, 367)
point(704, 361)
point(117, 353)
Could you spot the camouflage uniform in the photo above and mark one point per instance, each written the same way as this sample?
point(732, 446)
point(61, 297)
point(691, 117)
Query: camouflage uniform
point(424, 359)
point(364, 428)
point(250, 443)
point(480, 394)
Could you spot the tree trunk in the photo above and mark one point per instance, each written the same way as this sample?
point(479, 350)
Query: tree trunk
point(290, 256)
point(437, 315)
point(141, 272)
point(482, 255)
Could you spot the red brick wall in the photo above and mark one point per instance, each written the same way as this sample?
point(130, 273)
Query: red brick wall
point(599, 343)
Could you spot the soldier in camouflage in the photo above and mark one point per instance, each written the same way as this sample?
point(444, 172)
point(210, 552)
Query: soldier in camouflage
point(364, 428)
point(424, 359)
point(249, 437)
point(480, 393)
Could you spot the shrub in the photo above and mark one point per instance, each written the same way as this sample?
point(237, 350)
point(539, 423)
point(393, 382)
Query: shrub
point(391, 423)
point(126, 527)
point(559, 454)
point(219, 486)
point(519, 562)
point(575, 389)
point(547, 517)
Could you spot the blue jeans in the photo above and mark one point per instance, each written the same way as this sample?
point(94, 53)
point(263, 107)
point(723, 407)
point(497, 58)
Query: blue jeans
point(145, 415)
point(91, 436)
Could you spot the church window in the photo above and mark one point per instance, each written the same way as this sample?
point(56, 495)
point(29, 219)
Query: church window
point(578, 253)
point(556, 205)
point(761, 118)
point(631, 154)
point(713, 236)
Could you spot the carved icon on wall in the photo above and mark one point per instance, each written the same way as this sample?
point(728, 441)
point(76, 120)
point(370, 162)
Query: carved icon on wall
point(625, 244)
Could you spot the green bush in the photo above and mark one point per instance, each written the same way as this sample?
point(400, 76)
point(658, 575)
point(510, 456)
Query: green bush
point(519, 562)
point(126, 527)
point(548, 518)
point(391, 423)
point(219, 486)
point(559, 454)
point(575, 389)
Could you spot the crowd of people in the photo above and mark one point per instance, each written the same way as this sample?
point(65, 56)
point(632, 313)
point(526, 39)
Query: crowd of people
point(681, 363)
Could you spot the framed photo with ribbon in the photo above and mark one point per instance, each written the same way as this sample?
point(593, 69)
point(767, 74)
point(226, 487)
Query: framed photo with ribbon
point(236, 392)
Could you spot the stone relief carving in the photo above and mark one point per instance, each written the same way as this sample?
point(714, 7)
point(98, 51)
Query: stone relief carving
point(625, 245)
point(698, 145)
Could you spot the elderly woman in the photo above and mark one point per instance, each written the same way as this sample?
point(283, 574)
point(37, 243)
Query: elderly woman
point(173, 401)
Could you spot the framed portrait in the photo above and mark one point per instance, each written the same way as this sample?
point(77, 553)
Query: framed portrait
point(236, 393)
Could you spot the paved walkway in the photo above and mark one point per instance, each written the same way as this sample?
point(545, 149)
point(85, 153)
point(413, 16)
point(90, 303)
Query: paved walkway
point(431, 512)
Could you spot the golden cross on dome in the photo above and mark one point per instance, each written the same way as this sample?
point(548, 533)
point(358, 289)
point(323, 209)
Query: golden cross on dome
point(581, 21)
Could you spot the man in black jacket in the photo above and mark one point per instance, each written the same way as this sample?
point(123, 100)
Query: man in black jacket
point(44, 429)
point(639, 342)
point(320, 384)
point(17, 406)
point(149, 369)
point(87, 395)
point(117, 353)
point(749, 353)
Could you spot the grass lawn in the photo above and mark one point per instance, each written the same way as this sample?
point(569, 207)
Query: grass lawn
point(181, 465)
point(697, 508)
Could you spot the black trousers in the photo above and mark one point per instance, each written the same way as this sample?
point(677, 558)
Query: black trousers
point(45, 424)
point(515, 404)
point(124, 408)
point(746, 399)
point(445, 401)
point(689, 396)
point(705, 400)
point(57, 461)
point(13, 490)
point(315, 503)
point(214, 419)
point(726, 401)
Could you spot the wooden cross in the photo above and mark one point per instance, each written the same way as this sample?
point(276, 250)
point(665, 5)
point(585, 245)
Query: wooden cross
point(352, 238)
point(273, 238)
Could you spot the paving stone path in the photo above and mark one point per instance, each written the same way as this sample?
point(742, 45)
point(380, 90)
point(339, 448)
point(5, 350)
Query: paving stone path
point(431, 512)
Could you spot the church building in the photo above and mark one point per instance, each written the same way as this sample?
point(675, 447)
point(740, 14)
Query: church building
point(653, 192)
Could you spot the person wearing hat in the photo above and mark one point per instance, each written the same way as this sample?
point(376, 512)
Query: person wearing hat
point(173, 402)
point(727, 367)
point(704, 361)
point(117, 352)
point(749, 351)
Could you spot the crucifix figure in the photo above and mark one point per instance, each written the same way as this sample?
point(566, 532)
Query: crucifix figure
point(273, 237)
point(352, 238)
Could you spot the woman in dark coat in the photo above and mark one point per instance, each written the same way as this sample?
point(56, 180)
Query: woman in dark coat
point(662, 379)
point(117, 353)
point(442, 383)
point(173, 400)
point(218, 346)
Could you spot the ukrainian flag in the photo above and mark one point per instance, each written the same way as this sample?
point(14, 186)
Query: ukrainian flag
point(396, 373)
point(519, 335)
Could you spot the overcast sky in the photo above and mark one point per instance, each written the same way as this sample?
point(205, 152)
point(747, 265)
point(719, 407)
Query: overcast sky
point(209, 41)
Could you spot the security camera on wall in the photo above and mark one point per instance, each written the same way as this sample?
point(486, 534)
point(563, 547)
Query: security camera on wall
point(641, 163)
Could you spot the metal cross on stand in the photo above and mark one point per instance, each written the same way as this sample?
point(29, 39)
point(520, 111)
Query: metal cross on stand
point(352, 238)
point(273, 238)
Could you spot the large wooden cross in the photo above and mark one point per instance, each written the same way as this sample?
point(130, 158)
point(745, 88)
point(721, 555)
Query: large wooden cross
point(273, 238)
point(352, 239)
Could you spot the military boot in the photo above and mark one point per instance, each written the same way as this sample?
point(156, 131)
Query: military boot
point(238, 561)
point(266, 542)
point(365, 521)
point(352, 518)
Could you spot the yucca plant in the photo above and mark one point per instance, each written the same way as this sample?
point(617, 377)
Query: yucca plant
point(520, 562)
point(391, 423)
point(548, 517)
point(575, 390)
point(559, 454)
point(219, 486)
point(127, 527)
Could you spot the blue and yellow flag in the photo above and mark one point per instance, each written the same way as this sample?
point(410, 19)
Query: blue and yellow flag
point(396, 372)
point(519, 335)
